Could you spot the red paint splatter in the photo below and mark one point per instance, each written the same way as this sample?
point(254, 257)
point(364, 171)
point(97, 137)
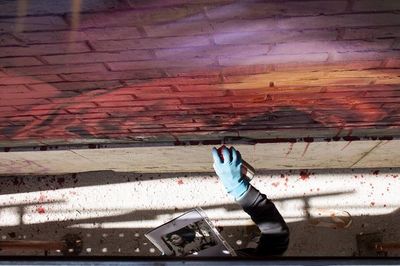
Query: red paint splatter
point(40, 210)
point(304, 175)
point(275, 184)
point(286, 181)
point(376, 172)
point(372, 203)
point(180, 182)
point(395, 176)
point(282, 176)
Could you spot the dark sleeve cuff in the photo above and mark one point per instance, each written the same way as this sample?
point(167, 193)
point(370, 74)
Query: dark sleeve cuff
point(249, 197)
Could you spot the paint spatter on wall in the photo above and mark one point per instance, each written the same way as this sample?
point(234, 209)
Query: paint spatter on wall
point(180, 182)
point(304, 175)
point(376, 172)
point(41, 210)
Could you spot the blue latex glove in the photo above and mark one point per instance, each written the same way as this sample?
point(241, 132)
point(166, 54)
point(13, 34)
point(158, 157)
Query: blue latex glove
point(229, 171)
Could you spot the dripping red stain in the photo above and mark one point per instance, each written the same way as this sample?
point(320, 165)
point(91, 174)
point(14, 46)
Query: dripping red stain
point(275, 184)
point(345, 146)
point(282, 176)
point(376, 172)
point(180, 182)
point(304, 175)
point(305, 149)
point(41, 210)
point(372, 203)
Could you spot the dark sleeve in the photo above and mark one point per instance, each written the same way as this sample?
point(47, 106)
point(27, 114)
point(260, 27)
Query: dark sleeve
point(274, 238)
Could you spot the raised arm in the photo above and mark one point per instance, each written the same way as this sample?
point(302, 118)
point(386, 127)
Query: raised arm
point(274, 237)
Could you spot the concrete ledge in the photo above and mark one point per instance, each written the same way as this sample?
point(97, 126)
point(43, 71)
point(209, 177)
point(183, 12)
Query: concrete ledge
point(197, 158)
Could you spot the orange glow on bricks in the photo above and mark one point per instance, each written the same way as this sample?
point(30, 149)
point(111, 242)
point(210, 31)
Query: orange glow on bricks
point(152, 107)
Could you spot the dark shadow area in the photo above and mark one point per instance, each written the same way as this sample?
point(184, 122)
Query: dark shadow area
point(306, 239)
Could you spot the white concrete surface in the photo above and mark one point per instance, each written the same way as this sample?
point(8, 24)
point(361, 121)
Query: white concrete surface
point(112, 211)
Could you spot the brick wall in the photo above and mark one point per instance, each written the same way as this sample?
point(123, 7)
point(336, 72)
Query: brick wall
point(183, 69)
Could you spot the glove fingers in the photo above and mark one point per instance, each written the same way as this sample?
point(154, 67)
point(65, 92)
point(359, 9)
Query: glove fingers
point(225, 153)
point(236, 156)
point(217, 159)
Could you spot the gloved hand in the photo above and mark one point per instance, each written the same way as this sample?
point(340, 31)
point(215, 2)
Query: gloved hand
point(229, 171)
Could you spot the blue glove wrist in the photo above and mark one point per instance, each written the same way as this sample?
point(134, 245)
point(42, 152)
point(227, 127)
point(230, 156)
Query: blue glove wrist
point(239, 190)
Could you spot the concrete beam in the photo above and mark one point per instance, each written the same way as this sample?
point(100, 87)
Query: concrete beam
point(197, 158)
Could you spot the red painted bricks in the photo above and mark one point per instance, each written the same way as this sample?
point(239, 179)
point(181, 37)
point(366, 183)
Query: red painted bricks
point(44, 49)
point(178, 67)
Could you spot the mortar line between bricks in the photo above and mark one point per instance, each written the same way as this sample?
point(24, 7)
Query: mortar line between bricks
point(367, 153)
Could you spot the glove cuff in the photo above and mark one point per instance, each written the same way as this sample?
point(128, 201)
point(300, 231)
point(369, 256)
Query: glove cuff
point(238, 191)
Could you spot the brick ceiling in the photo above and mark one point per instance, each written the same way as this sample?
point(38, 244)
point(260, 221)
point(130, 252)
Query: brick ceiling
point(180, 69)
